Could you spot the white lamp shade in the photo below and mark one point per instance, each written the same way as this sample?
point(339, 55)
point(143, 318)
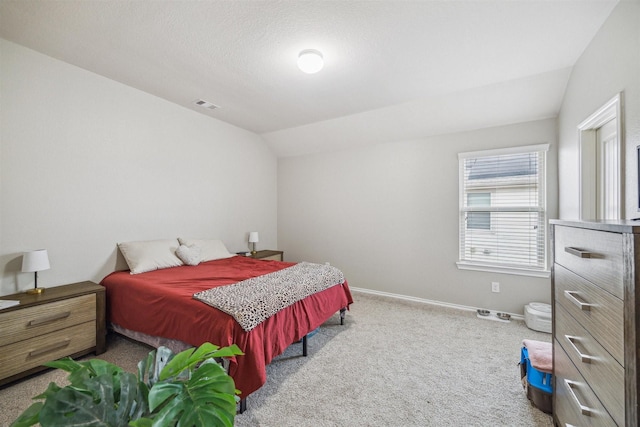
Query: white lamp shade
point(310, 61)
point(253, 237)
point(37, 260)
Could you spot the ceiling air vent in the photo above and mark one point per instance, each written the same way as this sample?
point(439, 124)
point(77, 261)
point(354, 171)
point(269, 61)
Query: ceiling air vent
point(206, 104)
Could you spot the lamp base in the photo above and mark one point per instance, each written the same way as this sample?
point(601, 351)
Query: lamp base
point(35, 291)
point(254, 252)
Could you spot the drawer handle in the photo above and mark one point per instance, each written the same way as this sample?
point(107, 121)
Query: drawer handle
point(584, 358)
point(583, 305)
point(65, 342)
point(577, 252)
point(49, 319)
point(584, 409)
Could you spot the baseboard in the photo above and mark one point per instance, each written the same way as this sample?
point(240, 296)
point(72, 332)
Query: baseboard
point(427, 301)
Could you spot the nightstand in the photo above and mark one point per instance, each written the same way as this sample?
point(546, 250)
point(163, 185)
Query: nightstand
point(63, 321)
point(269, 255)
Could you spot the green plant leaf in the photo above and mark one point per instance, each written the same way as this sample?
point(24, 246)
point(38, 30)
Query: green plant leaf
point(65, 364)
point(92, 369)
point(79, 407)
point(207, 351)
point(71, 407)
point(162, 392)
point(149, 369)
point(207, 416)
point(194, 390)
point(51, 389)
point(29, 417)
point(142, 422)
point(208, 395)
point(100, 367)
point(142, 409)
point(190, 358)
point(186, 359)
point(212, 376)
point(132, 402)
point(145, 366)
point(177, 364)
point(232, 350)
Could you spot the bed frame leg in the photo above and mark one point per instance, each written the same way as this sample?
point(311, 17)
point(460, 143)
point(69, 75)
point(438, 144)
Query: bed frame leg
point(343, 313)
point(242, 406)
point(304, 346)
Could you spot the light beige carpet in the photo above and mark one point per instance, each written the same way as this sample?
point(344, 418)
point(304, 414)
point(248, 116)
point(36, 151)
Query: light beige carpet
point(393, 363)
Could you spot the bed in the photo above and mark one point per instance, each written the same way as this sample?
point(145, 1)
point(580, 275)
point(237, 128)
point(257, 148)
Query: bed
point(160, 304)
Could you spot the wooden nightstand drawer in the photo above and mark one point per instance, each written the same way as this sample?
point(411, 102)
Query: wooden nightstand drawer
point(269, 255)
point(31, 353)
point(43, 319)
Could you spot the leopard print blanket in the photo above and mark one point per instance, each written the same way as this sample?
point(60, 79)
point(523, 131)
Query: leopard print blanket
point(254, 300)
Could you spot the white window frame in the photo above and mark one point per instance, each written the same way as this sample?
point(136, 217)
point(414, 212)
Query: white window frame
point(497, 267)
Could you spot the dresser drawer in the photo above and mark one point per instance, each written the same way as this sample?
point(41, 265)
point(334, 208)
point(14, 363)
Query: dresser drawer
point(42, 319)
point(597, 367)
point(31, 353)
point(604, 265)
point(574, 403)
point(601, 314)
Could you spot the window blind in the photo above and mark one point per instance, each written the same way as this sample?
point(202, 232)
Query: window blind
point(503, 208)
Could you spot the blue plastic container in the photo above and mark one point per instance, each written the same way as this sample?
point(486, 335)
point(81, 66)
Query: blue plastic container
point(535, 378)
point(538, 385)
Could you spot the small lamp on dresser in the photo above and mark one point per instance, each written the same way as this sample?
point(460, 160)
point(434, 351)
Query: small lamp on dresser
point(253, 238)
point(34, 261)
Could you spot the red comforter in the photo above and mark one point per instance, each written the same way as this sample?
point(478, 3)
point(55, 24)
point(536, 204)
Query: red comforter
point(160, 303)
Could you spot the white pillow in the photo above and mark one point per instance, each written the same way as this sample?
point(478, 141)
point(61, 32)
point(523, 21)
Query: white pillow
point(149, 255)
point(209, 249)
point(190, 255)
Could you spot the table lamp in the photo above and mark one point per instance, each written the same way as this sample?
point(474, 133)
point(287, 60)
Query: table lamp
point(34, 261)
point(253, 238)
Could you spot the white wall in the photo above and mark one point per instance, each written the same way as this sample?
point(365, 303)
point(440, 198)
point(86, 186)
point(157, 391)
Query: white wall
point(610, 64)
point(387, 215)
point(86, 162)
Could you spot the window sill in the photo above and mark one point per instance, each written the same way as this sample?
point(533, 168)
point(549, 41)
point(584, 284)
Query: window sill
point(505, 270)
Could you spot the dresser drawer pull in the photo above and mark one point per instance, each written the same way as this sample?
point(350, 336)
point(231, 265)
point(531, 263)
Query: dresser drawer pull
point(584, 409)
point(583, 305)
point(49, 319)
point(584, 358)
point(577, 252)
point(50, 348)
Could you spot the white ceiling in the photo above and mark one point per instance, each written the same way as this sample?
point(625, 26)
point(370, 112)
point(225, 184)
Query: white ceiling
point(393, 69)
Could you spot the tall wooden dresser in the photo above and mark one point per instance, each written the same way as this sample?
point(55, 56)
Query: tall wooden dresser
point(595, 313)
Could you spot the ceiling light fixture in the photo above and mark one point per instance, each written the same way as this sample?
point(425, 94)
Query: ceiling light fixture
point(310, 61)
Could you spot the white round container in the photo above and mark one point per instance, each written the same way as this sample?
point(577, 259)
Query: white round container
point(537, 316)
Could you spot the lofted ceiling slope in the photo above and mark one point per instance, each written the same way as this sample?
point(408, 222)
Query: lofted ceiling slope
point(393, 69)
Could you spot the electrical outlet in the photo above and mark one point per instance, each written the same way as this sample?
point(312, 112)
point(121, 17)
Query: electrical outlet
point(495, 286)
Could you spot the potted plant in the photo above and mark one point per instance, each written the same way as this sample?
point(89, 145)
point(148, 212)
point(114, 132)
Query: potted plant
point(187, 389)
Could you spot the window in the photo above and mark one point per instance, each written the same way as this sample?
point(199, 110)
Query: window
point(503, 210)
point(479, 220)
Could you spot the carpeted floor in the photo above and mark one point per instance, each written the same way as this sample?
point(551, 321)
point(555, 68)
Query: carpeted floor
point(393, 363)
